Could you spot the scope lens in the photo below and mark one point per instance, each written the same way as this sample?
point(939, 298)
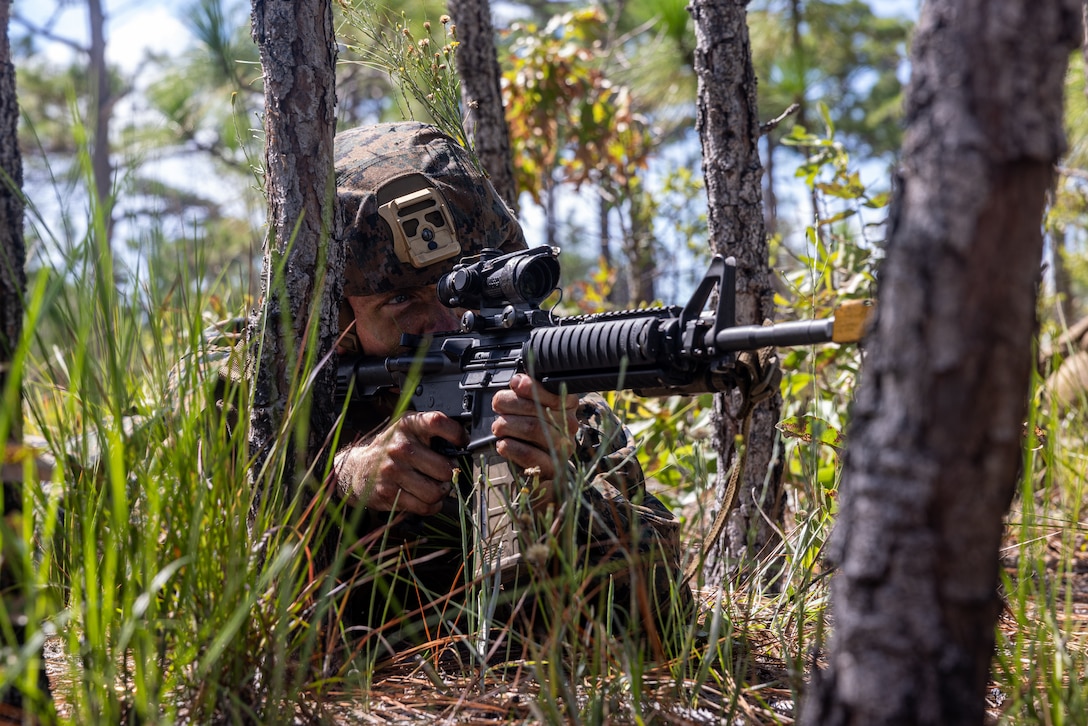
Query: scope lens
point(451, 287)
point(531, 279)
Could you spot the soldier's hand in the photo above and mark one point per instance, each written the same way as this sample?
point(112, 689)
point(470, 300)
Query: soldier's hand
point(534, 427)
point(398, 470)
point(759, 375)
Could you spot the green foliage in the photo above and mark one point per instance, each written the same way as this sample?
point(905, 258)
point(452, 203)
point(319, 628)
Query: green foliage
point(54, 96)
point(419, 62)
point(564, 114)
point(138, 554)
point(840, 54)
point(1066, 221)
point(836, 266)
point(571, 123)
point(198, 105)
point(671, 17)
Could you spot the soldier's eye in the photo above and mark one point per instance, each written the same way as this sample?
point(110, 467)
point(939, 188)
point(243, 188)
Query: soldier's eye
point(398, 299)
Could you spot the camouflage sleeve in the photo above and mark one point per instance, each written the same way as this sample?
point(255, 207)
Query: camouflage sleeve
point(630, 535)
point(615, 483)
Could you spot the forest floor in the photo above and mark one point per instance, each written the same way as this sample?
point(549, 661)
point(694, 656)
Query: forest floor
point(410, 691)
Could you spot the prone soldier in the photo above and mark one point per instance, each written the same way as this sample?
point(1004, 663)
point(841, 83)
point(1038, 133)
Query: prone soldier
point(413, 205)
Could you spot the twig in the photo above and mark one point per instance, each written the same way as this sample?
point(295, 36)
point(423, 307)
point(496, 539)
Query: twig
point(773, 123)
point(48, 34)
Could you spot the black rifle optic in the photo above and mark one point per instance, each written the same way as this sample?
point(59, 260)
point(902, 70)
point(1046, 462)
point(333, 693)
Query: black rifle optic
point(655, 351)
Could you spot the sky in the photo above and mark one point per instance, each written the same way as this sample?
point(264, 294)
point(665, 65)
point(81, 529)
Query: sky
point(133, 26)
point(137, 25)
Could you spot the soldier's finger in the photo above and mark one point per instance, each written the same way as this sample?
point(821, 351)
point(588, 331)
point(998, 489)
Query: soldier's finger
point(527, 456)
point(425, 490)
point(526, 428)
point(427, 425)
point(551, 440)
point(399, 499)
point(564, 419)
point(526, 388)
point(409, 456)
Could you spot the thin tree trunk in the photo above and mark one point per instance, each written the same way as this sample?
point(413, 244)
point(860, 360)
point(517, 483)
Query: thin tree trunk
point(12, 256)
point(102, 111)
point(604, 225)
point(641, 257)
point(13, 579)
point(797, 14)
point(551, 224)
point(12, 246)
point(728, 125)
point(302, 269)
point(481, 93)
point(935, 446)
point(1063, 281)
point(770, 199)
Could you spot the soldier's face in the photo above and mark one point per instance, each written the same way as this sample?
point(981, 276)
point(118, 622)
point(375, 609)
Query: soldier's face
point(381, 319)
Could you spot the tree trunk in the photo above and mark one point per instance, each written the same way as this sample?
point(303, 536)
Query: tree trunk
point(604, 226)
point(770, 199)
point(12, 247)
point(302, 269)
point(551, 224)
point(1063, 281)
point(102, 111)
point(13, 577)
point(728, 125)
point(798, 59)
point(935, 445)
point(481, 94)
point(640, 252)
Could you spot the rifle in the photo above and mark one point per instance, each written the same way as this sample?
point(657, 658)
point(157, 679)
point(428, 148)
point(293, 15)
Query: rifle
point(654, 352)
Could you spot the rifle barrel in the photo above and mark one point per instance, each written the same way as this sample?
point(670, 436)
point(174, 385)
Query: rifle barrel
point(751, 337)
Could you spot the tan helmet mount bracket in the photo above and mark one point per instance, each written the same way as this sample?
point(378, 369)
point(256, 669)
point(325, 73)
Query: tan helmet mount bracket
point(423, 232)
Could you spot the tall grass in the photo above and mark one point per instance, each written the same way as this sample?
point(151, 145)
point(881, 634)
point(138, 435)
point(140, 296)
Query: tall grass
point(139, 552)
point(176, 594)
point(173, 591)
point(1041, 664)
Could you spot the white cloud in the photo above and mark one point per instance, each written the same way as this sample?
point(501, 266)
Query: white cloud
point(131, 29)
point(152, 26)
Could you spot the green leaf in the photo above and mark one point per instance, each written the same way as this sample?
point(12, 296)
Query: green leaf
point(809, 428)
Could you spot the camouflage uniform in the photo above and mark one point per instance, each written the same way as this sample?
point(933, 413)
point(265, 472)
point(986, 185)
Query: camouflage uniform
point(625, 537)
point(623, 532)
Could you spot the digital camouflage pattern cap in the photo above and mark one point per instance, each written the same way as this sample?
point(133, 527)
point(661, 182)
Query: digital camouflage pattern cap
point(413, 204)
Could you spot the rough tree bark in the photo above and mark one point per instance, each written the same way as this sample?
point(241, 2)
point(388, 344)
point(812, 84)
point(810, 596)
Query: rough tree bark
point(12, 269)
point(728, 126)
point(935, 446)
point(12, 292)
point(481, 94)
point(12, 246)
point(301, 273)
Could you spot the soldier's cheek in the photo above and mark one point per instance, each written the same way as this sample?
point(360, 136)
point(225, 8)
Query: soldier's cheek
point(428, 320)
